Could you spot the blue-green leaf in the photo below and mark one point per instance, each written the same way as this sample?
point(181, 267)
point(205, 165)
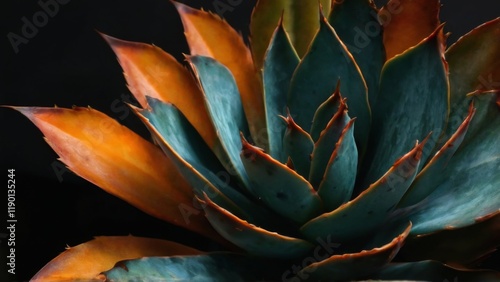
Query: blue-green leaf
point(372, 207)
point(432, 173)
point(279, 64)
point(356, 23)
point(180, 134)
point(325, 112)
point(253, 239)
point(279, 187)
point(473, 62)
point(412, 102)
point(224, 106)
point(464, 246)
point(340, 175)
point(298, 146)
point(210, 267)
point(315, 79)
point(486, 112)
point(324, 147)
point(428, 270)
point(184, 146)
point(355, 265)
point(469, 189)
point(199, 166)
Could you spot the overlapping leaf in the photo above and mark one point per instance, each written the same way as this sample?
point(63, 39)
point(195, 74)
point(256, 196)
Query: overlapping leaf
point(413, 102)
point(300, 21)
point(208, 35)
point(111, 156)
point(315, 80)
point(86, 261)
point(279, 65)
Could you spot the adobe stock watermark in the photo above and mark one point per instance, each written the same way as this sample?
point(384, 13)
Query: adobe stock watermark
point(223, 6)
point(363, 36)
point(323, 250)
point(30, 26)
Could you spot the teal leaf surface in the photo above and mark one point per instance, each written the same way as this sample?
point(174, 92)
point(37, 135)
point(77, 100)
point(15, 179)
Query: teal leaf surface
point(279, 64)
point(166, 118)
point(469, 190)
point(356, 23)
point(223, 102)
point(324, 147)
point(432, 173)
point(279, 187)
point(316, 77)
point(325, 112)
point(251, 238)
point(413, 101)
point(340, 175)
point(355, 265)
point(371, 208)
point(199, 166)
point(298, 146)
point(433, 271)
point(211, 267)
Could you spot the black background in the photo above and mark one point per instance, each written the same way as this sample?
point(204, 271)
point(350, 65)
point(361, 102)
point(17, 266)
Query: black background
point(67, 63)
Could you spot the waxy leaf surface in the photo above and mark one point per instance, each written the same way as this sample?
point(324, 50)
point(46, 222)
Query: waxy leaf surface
point(208, 35)
point(325, 112)
point(429, 270)
point(338, 182)
point(413, 101)
point(298, 146)
point(87, 260)
point(109, 155)
point(355, 265)
point(324, 147)
point(281, 188)
point(280, 63)
point(371, 208)
point(210, 267)
point(150, 71)
point(469, 191)
point(356, 23)
point(433, 171)
point(223, 102)
point(251, 238)
point(316, 79)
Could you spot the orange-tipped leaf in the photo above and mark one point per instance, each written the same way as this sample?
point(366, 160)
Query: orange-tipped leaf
point(86, 261)
point(109, 155)
point(150, 71)
point(208, 35)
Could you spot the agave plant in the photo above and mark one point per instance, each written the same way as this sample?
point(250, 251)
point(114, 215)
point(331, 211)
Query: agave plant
point(344, 142)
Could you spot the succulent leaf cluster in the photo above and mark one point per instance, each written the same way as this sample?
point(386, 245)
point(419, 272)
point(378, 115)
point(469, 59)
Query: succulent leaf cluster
point(344, 142)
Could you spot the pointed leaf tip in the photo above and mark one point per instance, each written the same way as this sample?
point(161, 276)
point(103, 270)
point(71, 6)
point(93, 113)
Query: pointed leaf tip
point(372, 207)
point(280, 188)
point(208, 35)
point(111, 156)
point(150, 71)
point(253, 239)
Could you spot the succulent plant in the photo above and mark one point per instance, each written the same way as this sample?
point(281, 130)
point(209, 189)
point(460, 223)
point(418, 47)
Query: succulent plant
point(340, 142)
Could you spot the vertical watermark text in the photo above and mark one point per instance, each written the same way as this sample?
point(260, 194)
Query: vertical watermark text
point(10, 236)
